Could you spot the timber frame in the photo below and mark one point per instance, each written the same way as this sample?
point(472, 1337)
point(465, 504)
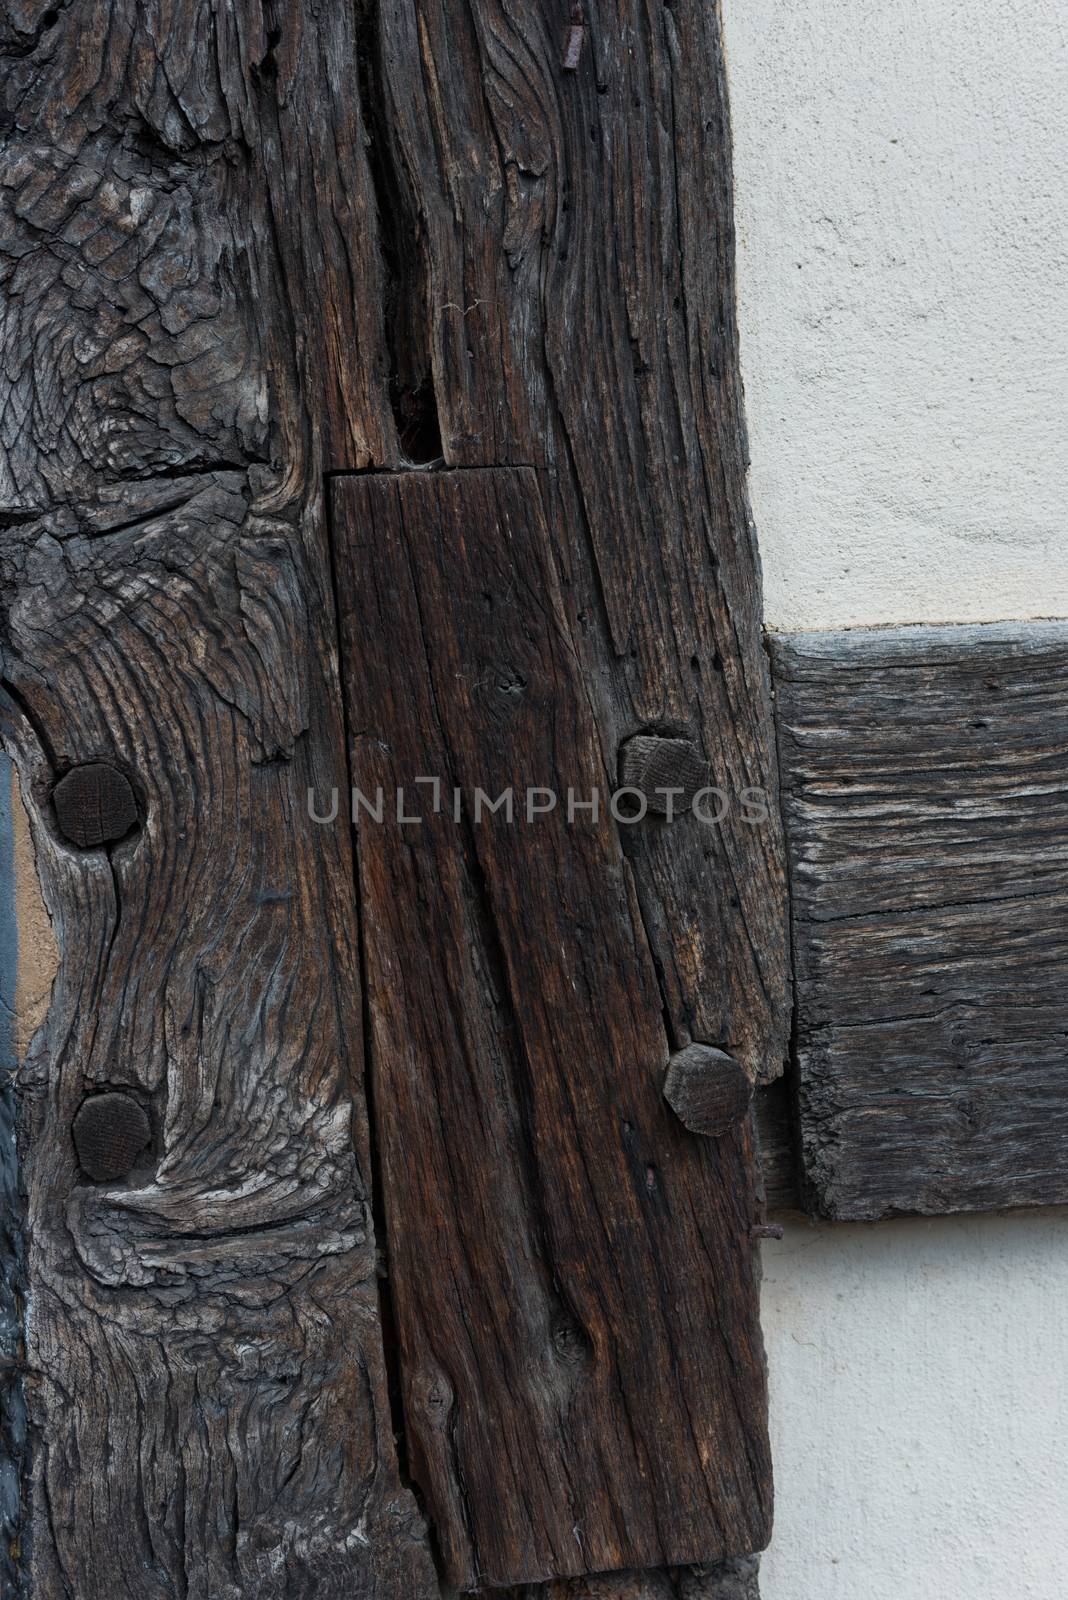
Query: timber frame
point(274, 278)
point(925, 789)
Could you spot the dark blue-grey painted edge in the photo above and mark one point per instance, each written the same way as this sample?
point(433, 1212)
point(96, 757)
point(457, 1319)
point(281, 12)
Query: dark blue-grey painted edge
point(12, 1258)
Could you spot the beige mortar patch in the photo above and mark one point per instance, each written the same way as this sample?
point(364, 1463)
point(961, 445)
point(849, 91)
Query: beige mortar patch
point(38, 952)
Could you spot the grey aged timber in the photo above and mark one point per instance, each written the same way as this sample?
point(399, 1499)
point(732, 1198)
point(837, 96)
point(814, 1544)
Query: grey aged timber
point(925, 781)
point(184, 205)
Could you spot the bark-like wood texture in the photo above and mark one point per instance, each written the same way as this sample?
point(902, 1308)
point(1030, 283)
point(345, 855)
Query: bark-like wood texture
point(180, 195)
point(926, 791)
point(572, 1270)
point(243, 247)
point(573, 310)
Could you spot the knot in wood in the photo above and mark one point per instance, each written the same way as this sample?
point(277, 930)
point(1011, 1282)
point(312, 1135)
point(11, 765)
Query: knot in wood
point(707, 1090)
point(667, 771)
point(94, 805)
point(110, 1131)
point(571, 1343)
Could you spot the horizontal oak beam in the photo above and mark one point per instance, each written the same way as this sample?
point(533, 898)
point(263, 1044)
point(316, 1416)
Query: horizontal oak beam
point(925, 787)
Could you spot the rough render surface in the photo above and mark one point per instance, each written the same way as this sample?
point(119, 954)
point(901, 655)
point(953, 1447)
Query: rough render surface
point(919, 1409)
point(902, 252)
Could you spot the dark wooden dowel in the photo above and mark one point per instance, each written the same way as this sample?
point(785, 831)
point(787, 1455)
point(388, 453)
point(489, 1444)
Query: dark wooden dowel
point(110, 1132)
point(667, 771)
point(95, 805)
point(707, 1090)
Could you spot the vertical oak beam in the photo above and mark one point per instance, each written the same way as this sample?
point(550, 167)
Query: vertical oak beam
point(575, 232)
point(572, 1270)
point(569, 307)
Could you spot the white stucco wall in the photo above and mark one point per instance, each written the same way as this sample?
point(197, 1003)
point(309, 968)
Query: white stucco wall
point(919, 1400)
point(903, 259)
point(903, 297)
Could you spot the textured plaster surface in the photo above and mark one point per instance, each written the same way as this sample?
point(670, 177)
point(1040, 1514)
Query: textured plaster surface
point(903, 281)
point(919, 1394)
point(903, 276)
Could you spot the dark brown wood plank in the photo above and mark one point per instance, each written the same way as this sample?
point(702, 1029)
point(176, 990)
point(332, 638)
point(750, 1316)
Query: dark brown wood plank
point(574, 310)
point(12, 1204)
point(925, 774)
point(192, 324)
point(206, 305)
point(572, 1271)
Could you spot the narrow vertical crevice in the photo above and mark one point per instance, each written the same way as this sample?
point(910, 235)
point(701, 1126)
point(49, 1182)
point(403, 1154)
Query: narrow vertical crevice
point(401, 240)
point(12, 1252)
point(791, 1075)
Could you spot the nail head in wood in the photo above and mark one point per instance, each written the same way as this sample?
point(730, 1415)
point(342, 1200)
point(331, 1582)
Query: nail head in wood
point(110, 1132)
point(655, 765)
point(707, 1090)
point(94, 804)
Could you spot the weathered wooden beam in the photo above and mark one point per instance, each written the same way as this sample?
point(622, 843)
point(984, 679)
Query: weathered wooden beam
point(925, 779)
point(568, 291)
point(242, 246)
point(204, 1339)
point(572, 1270)
point(184, 194)
point(573, 236)
point(12, 1251)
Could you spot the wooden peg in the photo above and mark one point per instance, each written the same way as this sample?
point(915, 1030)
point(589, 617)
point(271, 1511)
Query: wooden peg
point(655, 765)
point(110, 1131)
point(707, 1090)
point(94, 804)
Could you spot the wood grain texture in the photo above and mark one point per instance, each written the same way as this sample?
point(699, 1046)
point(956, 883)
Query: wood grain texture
point(12, 1205)
point(242, 246)
point(925, 776)
point(572, 1271)
point(723, 1580)
point(573, 309)
point(183, 191)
